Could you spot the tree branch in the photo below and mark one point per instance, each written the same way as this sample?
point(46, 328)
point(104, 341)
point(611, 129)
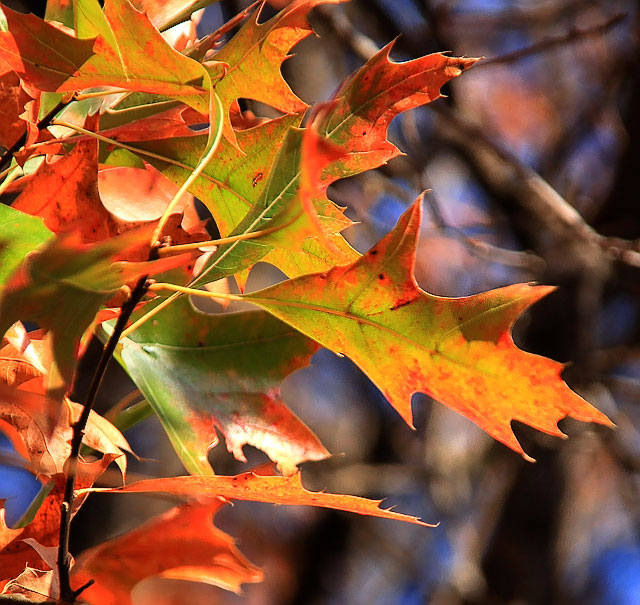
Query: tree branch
point(573, 35)
point(67, 594)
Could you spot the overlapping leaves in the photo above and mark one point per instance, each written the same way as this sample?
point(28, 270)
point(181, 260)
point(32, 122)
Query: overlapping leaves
point(61, 263)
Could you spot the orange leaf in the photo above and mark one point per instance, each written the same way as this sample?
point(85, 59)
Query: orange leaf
point(458, 350)
point(27, 49)
point(255, 55)
point(12, 102)
point(64, 193)
point(181, 544)
point(358, 119)
point(18, 365)
point(44, 426)
point(259, 488)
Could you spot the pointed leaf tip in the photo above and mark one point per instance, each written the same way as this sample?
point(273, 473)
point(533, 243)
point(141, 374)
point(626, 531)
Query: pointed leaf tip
point(457, 350)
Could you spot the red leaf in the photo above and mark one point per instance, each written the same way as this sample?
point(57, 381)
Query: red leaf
point(181, 544)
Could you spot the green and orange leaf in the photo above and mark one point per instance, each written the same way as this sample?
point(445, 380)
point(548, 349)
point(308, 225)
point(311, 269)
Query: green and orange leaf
point(41, 54)
point(206, 372)
point(255, 55)
point(458, 350)
point(62, 285)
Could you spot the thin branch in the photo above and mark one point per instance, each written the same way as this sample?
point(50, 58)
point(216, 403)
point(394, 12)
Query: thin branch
point(573, 35)
point(67, 594)
point(488, 252)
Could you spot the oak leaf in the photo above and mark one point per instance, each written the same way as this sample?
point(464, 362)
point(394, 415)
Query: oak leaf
point(180, 544)
point(36, 585)
point(45, 428)
point(358, 118)
point(27, 49)
point(13, 99)
point(202, 372)
point(258, 488)
point(458, 350)
point(130, 53)
point(15, 553)
point(255, 55)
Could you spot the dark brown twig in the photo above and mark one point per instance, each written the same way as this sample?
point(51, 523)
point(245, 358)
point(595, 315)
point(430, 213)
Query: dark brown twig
point(573, 35)
point(67, 594)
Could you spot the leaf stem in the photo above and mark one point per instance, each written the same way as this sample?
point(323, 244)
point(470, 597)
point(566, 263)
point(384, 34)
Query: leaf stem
point(136, 324)
point(194, 291)
point(67, 594)
point(116, 143)
point(194, 174)
point(14, 173)
point(99, 93)
point(219, 242)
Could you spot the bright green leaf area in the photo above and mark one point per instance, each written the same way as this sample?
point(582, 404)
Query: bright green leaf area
point(205, 372)
point(19, 235)
point(279, 207)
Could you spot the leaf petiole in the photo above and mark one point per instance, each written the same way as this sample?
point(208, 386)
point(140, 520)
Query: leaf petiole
point(194, 175)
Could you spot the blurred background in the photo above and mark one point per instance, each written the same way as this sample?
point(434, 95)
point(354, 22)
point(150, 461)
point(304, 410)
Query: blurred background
point(533, 162)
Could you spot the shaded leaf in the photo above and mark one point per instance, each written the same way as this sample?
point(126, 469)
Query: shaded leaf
point(202, 372)
point(13, 99)
point(259, 488)
point(45, 428)
point(40, 53)
point(15, 553)
point(181, 544)
point(62, 286)
point(15, 368)
point(458, 350)
point(37, 585)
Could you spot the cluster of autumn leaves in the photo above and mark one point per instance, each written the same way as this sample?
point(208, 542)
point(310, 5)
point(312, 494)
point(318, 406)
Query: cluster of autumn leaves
point(105, 160)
